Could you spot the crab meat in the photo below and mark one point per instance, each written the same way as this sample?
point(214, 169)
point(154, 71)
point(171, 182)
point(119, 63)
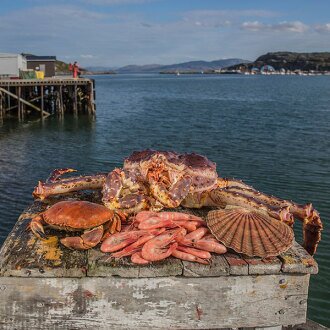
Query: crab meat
point(172, 176)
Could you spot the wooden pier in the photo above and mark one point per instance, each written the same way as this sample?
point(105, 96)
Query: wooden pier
point(21, 98)
point(45, 285)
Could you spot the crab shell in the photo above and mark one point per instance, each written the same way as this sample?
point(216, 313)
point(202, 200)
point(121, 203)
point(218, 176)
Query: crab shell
point(76, 215)
point(201, 170)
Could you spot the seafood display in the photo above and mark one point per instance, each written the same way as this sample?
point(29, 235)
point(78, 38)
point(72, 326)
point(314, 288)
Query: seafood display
point(250, 232)
point(156, 236)
point(153, 180)
point(96, 222)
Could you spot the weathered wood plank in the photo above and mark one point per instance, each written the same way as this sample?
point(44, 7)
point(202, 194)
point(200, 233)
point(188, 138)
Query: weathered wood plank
point(102, 265)
point(297, 260)
point(217, 267)
point(162, 303)
point(263, 266)
point(237, 265)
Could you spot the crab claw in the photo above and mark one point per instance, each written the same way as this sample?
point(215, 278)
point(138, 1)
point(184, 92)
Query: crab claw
point(87, 240)
point(37, 228)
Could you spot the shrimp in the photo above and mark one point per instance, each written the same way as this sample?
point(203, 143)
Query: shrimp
point(120, 240)
point(130, 249)
point(197, 234)
point(178, 216)
point(189, 225)
point(195, 252)
point(155, 222)
point(193, 236)
point(211, 246)
point(156, 249)
point(143, 215)
point(187, 256)
point(136, 258)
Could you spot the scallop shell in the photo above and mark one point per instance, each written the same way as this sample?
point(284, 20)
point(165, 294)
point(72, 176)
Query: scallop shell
point(249, 232)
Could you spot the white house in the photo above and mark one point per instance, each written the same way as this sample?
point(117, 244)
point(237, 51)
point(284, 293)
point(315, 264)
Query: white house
point(10, 64)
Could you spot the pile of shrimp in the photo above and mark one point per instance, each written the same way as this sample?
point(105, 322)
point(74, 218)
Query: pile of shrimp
point(154, 236)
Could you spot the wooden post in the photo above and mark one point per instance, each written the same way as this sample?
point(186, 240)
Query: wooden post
point(1, 107)
point(22, 95)
point(75, 105)
point(61, 101)
point(8, 98)
point(42, 101)
point(91, 97)
point(18, 93)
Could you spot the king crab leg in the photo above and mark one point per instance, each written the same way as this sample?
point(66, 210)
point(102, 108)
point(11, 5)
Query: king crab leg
point(56, 174)
point(122, 189)
point(63, 186)
point(173, 196)
point(235, 192)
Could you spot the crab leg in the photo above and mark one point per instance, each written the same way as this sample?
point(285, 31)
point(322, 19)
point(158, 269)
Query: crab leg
point(45, 189)
point(56, 174)
point(223, 197)
point(116, 183)
point(36, 226)
point(239, 194)
point(87, 240)
point(171, 198)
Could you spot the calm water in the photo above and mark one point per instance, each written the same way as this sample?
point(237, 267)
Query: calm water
point(271, 131)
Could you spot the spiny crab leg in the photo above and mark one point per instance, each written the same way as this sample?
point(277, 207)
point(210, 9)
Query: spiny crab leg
point(171, 197)
point(57, 173)
point(123, 190)
point(223, 197)
point(298, 210)
point(63, 186)
point(237, 193)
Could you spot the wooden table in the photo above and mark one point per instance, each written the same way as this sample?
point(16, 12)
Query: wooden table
point(45, 285)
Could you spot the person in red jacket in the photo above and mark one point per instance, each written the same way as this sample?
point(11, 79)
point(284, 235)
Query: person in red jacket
point(75, 70)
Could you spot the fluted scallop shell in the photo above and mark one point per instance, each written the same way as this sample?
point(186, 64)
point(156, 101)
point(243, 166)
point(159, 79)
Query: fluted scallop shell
point(249, 232)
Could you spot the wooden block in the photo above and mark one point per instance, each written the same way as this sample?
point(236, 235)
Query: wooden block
point(258, 266)
point(237, 265)
point(217, 267)
point(153, 303)
point(297, 260)
point(167, 267)
point(102, 265)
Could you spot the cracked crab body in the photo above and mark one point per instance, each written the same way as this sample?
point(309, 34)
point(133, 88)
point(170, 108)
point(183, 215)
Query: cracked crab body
point(172, 176)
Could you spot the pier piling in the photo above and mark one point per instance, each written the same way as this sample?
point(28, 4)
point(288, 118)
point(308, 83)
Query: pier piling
point(21, 98)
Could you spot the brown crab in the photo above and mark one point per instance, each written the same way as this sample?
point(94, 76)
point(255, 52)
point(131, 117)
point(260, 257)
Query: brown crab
point(156, 179)
point(93, 219)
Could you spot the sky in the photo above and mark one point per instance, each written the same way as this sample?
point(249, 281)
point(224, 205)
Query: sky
point(114, 33)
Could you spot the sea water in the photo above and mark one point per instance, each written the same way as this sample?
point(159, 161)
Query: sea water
point(271, 131)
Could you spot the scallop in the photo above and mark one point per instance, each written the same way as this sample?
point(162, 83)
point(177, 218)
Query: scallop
point(250, 232)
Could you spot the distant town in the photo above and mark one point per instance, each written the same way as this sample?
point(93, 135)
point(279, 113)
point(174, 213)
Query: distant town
point(28, 66)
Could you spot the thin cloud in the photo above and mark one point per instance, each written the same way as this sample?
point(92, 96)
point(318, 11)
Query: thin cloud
point(297, 27)
point(222, 18)
point(115, 2)
point(323, 27)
